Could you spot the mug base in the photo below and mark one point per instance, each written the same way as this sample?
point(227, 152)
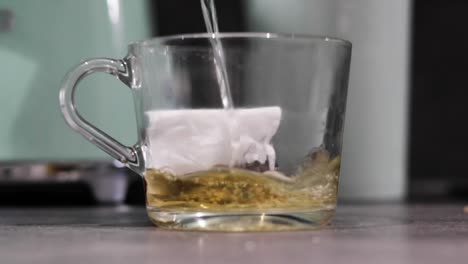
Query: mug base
point(241, 221)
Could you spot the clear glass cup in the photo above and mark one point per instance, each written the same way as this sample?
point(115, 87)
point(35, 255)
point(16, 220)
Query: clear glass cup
point(271, 163)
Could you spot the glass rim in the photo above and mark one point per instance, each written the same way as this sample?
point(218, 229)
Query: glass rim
point(259, 35)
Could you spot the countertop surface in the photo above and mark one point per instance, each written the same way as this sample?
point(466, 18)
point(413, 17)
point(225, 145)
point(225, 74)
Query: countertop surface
point(388, 233)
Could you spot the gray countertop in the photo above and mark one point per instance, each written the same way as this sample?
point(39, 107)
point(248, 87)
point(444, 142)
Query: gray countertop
point(359, 234)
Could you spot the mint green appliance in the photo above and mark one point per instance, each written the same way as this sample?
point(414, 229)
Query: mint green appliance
point(39, 41)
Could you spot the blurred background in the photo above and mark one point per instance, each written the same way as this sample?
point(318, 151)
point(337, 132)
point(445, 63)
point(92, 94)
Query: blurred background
point(404, 136)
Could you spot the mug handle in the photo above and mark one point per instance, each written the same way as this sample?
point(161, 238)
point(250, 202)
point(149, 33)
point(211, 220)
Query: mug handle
point(130, 156)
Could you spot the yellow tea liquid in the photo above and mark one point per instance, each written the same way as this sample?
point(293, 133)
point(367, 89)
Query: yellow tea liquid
point(236, 189)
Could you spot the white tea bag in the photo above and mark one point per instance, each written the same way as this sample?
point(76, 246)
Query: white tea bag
point(184, 141)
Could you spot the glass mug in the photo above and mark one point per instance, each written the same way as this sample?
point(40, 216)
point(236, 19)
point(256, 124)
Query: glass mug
point(270, 163)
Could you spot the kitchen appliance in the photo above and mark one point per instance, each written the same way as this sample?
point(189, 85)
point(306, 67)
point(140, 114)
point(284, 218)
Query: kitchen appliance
point(375, 139)
point(39, 40)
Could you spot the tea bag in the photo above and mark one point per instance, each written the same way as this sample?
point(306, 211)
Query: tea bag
point(185, 141)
